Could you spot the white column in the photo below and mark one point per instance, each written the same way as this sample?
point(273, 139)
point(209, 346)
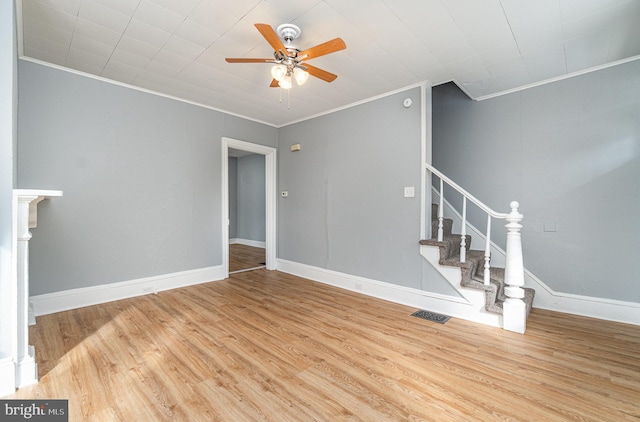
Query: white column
point(25, 217)
point(514, 317)
point(27, 370)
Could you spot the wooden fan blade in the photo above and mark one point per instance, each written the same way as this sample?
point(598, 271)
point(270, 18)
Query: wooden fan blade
point(242, 60)
point(272, 38)
point(274, 84)
point(328, 47)
point(319, 73)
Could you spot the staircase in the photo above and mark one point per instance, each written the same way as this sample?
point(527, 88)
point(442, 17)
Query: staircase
point(472, 269)
point(490, 295)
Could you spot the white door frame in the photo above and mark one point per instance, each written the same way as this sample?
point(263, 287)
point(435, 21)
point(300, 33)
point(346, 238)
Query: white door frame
point(270, 198)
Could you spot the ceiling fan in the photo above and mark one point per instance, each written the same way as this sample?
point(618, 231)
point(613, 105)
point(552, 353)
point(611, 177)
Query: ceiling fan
point(290, 62)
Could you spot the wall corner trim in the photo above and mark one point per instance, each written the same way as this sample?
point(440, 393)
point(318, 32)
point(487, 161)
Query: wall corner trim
point(137, 88)
point(549, 80)
point(50, 303)
point(357, 103)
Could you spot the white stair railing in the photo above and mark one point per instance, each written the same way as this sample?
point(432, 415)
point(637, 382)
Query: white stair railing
point(514, 308)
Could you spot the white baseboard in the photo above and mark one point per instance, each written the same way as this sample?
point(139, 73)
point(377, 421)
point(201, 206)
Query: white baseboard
point(589, 306)
point(77, 298)
point(457, 307)
point(27, 370)
point(7, 377)
point(254, 243)
point(546, 297)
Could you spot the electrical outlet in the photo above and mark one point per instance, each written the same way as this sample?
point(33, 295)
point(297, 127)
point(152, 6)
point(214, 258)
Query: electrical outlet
point(358, 286)
point(148, 289)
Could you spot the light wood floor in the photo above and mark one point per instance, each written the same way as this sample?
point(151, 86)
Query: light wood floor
point(264, 345)
point(243, 257)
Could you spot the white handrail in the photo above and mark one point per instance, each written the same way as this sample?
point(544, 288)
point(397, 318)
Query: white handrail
point(466, 194)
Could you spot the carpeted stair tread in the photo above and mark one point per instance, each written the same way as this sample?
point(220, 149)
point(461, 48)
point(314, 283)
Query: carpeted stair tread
point(495, 272)
point(450, 244)
point(529, 294)
point(496, 275)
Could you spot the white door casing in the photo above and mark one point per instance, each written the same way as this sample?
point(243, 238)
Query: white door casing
point(270, 198)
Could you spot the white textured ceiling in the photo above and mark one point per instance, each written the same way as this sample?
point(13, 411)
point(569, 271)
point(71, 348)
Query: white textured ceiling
point(177, 47)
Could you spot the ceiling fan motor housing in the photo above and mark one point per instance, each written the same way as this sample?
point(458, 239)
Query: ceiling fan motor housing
point(288, 32)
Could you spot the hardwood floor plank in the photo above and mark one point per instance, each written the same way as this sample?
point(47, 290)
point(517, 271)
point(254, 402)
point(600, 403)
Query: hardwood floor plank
point(264, 345)
point(243, 257)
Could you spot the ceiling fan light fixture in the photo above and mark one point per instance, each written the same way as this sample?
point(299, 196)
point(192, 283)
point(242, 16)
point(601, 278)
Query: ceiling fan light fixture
point(279, 72)
point(300, 75)
point(289, 61)
point(285, 83)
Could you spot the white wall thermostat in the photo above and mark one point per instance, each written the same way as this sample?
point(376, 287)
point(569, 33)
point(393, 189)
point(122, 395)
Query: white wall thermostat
point(407, 102)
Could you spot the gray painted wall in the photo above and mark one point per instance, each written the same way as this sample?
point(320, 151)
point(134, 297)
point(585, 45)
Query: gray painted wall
point(141, 176)
point(247, 198)
point(569, 152)
point(346, 211)
point(233, 197)
point(251, 198)
point(8, 114)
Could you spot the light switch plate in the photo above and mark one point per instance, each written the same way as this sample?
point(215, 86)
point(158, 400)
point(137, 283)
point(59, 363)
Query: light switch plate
point(409, 192)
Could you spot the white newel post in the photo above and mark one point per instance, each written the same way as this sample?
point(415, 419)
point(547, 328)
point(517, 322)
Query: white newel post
point(514, 309)
point(25, 203)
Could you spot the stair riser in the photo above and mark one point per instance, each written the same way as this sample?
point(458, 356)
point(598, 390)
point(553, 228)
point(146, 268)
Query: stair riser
point(447, 227)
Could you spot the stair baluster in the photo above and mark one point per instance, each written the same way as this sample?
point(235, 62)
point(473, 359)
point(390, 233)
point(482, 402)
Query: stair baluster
point(463, 231)
point(487, 254)
point(441, 212)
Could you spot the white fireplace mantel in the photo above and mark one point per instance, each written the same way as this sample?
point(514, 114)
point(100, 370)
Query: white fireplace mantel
point(25, 217)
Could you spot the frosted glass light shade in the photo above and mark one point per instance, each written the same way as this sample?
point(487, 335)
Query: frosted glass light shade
point(300, 75)
point(285, 83)
point(278, 72)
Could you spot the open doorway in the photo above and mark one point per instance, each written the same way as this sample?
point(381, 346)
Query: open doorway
point(231, 148)
point(246, 211)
